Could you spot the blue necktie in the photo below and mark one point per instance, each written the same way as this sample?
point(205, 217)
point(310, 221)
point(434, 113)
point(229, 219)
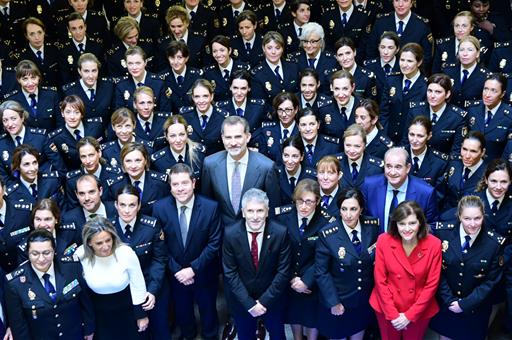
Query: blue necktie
point(285, 133)
point(488, 119)
point(415, 165)
point(434, 118)
point(226, 75)
point(33, 104)
point(344, 19)
point(204, 121)
point(303, 226)
point(180, 80)
point(248, 47)
point(48, 286)
point(139, 84)
point(407, 85)
point(325, 201)
point(387, 69)
point(128, 231)
point(147, 128)
point(343, 113)
point(311, 62)
point(18, 140)
point(356, 242)
point(465, 74)
point(81, 48)
point(278, 14)
point(394, 203)
point(93, 95)
point(494, 207)
point(77, 134)
point(137, 185)
point(292, 183)
point(300, 31)
point(239, 112)
point(354, 171)
point(309, 154)
point(236, 13)
point(465, 245)
point(40, 56)
point(278, 75)
point(33, 187)
point(400, 28)
point(465, 177)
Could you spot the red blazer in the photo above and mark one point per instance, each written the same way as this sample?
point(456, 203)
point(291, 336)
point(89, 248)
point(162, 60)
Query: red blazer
point(406, 285)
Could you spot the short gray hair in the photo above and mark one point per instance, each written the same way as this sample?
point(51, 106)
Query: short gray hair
point(398, 150)
point(257, 195)
point(313, 27)
point(234, 120)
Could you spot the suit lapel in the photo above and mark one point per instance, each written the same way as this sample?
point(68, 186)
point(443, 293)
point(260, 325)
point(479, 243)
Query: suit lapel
point(193, 221)
point(37, 286)
point(400, 256)
point(252, 173)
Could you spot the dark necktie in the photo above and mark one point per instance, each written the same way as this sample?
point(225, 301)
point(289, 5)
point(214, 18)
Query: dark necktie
point(312, 62)
point(488, 119)
point(343, 113)
point(248, 46)
point(276, 71)
point(192, 15)
point(407, 85)
point(254, 249)
point(356, 242)
point(226, 75)
point(137, 185)
point(6, 12)
point(236, 13)
point(325, 201)
point(147, 128)
point(18, 140)
point(236, 187)
point(39, 55)
point(465, 245)
point(387, 69)
point(93, 95)
point(308, 104)
point(465, 177)
point(33, 187)
point(415, 164)
point(394, 203)
point(292, 183)
point(354, 171)
point(81, 48)
point(48, 286)
point(344, 19)
point(183, 225)
point(285, 133)
point(278, 14)
point(300, 31)
point(33, 103)
point(128, 231)
point(239, 112)
point(180, 159)
point(139, 84)
point(303, 226)
point(204, 119)
point(309, 154)
point(180, 80)
point(434, 118)
point(465, 74)
point(400, 28)
point(494, 207)
point(77, 134)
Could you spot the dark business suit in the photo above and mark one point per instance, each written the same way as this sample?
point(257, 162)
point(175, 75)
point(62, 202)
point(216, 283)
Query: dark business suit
point(261, 173)
point(34, 315)
point(200, 251)
point(244, 284)
point(375, 189)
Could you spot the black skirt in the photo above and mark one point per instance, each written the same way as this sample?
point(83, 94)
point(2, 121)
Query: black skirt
point(461, 326)
point(301, 309)
point(349, 323)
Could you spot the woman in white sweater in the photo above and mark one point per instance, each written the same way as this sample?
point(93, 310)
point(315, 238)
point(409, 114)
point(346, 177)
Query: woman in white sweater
point(112, 272)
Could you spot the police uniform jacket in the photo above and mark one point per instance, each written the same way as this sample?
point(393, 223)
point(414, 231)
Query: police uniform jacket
point(196, 43)
point(256, 111)
point(325, 145)
point(331, 120)
point(370, 165)
point(210, 136)
point(268, 140)
point(115, 62)
point(147, 241)
point(497, 132)
point(101, 106)
point(156, 133)
point(379, 145)
point(501, 55)
point(252, 56)
point(266, 84)
point(123, 93)
point(214, 75)
point(97, 26)
point(472, 88)
point(344, 276)
point(163, 160)
point(150, 32)
point(48, 153)
point(32, 313)
point(449, 130)
point(50, 68)
point(69, 54)
point(49, 14)
point(417, 30)
point(9, 82)
point(65, 142)
point(366, 84)
point(432, 168)
point(320, 98)
point(10, 25)
point(374, 65)
point(268, 21)
point(332, 209)
point(109, 175)
point(179, 93)
point(500, 221)
point(325, 65)
point(227, 20)
point(285, 187)
point(47, 114)
point(292, 41)
point(16, 227)
point(450, 189)
point(49, 185)
point(394, 107)
point(203, 21)
point(201, 249)
point(111, 151)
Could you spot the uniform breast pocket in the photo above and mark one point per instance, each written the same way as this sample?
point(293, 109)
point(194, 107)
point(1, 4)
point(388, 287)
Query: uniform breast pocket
point(143, 249)
point(71, 290)
point(447, 135)
point(480, 269)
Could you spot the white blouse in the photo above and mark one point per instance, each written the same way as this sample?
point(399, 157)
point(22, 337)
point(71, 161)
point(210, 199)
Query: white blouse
point(112, 274)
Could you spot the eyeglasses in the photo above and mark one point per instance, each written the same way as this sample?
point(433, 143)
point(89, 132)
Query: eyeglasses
point(312, 42)
point(288, 110)
point(309, 203)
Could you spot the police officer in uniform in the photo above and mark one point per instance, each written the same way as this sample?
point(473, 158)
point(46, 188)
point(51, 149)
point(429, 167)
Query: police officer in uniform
point(248, 41)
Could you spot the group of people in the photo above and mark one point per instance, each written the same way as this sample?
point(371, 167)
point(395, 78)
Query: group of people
point(343, 166)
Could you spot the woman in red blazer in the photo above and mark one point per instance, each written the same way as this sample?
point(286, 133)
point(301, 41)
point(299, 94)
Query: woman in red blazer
point(407, 272)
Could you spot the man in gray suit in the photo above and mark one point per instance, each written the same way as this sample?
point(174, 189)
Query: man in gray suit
point(228, 174)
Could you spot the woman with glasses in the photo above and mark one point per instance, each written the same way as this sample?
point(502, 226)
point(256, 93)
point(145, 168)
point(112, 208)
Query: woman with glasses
point(304, 219)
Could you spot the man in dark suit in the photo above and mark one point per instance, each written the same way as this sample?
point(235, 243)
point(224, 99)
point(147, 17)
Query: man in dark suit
point(385, 191)
point(256, 262)
point(192, 230)
point(227, 175)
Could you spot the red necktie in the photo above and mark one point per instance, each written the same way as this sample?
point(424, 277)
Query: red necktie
point(254, 249)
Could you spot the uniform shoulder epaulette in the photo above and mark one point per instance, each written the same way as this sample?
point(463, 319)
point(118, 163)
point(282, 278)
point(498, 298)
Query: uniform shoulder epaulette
point(485, 71)
point(12, 93)
point(496, 237)
point(283, 209)
point(209, 68)
point(417, 104)
point(162, 114)
point(37, 131)
point(257, 101)
point(257, 69)
point(196, 71)
point(68, 85)
point(108, 145)
point(442, 40)
point(444, 226)
point(96, 12)
point(55, 132)
point(323, 103)
point(52, 174)
point(14, 274)
point(12, 188)
point(386, 141)
point(370, 220)
point(22, 246)
point(111, 181)
point(186, 109)
point(74, 173)
point(370, 61)
point(327, 216)
point(468, 103)
point(151, 15)
point(383, 15)
point(69, 259)
point(49, 88)
point(113, 50)
point(23, 206)
point(219, 110)
point(268, 124)
point(222, 103)
point(331, 139)
point(376, 161)
point(94, 120)
point(506, 112)
point(158, 155)
point(112, 170)
point(425, 20)
point(199, 147)
point(367, 72)
point(329, 231)
point(148, 142)
point(68, 226)
point(395, 74)
point(310, 172)
point(197, 33)
point(440, 154)
point(149, 221)
point(501, 44)
point(446, 65)
point(339, 156)
point(284, 25)
point(159, 176)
